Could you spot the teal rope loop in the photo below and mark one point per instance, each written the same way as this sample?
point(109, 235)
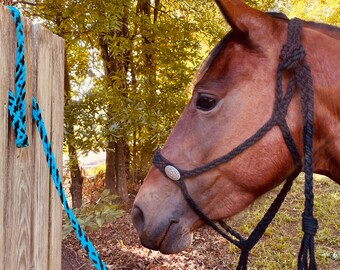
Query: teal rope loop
point(17, 112)
point(16, 104)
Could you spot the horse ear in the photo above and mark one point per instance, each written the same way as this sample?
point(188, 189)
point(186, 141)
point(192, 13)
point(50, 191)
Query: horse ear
point(244, 19)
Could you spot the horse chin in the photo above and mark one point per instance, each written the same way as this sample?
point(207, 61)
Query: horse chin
point(174, 241)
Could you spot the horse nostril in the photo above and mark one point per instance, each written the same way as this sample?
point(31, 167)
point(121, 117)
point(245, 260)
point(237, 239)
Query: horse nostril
point(137, 218)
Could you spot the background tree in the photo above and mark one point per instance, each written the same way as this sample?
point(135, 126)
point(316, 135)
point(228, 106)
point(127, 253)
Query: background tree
point(129, 68)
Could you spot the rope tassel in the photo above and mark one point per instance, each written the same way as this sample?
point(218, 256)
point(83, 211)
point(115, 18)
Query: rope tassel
point(309, 227)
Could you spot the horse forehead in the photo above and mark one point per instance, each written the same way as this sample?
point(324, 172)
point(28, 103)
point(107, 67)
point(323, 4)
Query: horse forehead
point(228, 58)
point(234, 62)
point(228, 73)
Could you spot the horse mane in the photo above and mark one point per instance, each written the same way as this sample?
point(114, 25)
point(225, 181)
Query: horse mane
point(327, 29)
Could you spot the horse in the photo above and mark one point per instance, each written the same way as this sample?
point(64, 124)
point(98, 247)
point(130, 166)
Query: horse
point(232, 100)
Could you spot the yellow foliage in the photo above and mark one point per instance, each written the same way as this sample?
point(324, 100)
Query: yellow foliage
point(314, 10)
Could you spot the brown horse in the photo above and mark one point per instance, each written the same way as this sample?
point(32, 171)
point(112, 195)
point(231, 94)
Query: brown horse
point(233, 98)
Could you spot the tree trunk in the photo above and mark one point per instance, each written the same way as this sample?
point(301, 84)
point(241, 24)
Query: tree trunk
point(121, 187)
point(156, 10)
point(110, 172)
point(115, 156)
point(77, 179)
point(134, 157)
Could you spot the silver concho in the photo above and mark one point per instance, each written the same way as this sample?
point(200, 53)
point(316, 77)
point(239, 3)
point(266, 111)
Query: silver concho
point(172, 173)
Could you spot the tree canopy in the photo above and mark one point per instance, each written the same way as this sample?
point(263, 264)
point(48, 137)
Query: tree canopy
point(130, 66)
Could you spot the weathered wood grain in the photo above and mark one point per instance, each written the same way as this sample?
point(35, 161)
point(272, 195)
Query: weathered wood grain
point(30, 212)
point(57, 143)
point(5, 70)
point(17, 200)
point(42, 179)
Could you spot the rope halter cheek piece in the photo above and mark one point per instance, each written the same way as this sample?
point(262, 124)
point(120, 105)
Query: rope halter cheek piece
point(293, 60)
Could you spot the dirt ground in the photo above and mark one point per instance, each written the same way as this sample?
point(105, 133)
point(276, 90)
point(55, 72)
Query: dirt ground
point(119, 247)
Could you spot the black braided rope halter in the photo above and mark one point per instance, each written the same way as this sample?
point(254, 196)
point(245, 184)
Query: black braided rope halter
point(293, 60)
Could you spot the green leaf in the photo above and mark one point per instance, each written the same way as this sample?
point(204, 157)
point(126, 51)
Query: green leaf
point(100, 221)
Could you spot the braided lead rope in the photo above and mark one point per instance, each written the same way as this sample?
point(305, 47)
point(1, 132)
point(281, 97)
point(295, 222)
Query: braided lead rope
point(85, 242)
point(309, 222)
point(293, 56)
point(268, 217)
point(16, 104)
point(17, 112)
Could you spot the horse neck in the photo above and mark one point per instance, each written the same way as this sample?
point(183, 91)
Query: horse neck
point(323, 55)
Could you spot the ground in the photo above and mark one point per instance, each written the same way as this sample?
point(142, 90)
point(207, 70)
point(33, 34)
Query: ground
point(119, 247)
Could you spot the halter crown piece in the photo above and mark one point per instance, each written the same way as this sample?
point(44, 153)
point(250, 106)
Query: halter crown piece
point(293, 60)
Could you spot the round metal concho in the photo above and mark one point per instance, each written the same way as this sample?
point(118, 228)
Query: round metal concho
point(172, 173)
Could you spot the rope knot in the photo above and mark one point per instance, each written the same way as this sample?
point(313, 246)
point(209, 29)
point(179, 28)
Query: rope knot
point(309, 224)
point(16, 109)
point(292, 55)
point(292, 52)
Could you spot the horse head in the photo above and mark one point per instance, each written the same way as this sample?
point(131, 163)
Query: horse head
point(233, 98)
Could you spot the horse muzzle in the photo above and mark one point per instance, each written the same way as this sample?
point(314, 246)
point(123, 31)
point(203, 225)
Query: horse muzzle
point(168, 236)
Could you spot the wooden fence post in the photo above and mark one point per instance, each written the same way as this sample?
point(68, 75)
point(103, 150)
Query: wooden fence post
point(30, 210)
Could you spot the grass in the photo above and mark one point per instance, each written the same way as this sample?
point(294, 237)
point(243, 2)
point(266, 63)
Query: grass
point(279, 246)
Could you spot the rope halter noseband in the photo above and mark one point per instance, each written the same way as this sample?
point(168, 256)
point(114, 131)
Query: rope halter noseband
point(292, 59)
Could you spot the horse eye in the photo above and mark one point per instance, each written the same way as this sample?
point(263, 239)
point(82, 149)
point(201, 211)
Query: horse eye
point(205, 103)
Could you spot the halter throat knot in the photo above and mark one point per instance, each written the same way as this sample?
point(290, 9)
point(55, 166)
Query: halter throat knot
point(293, 53)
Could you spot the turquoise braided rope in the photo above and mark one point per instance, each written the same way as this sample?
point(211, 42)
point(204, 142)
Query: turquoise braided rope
point(17, 112)
point(16, 104)
point(85, 242)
